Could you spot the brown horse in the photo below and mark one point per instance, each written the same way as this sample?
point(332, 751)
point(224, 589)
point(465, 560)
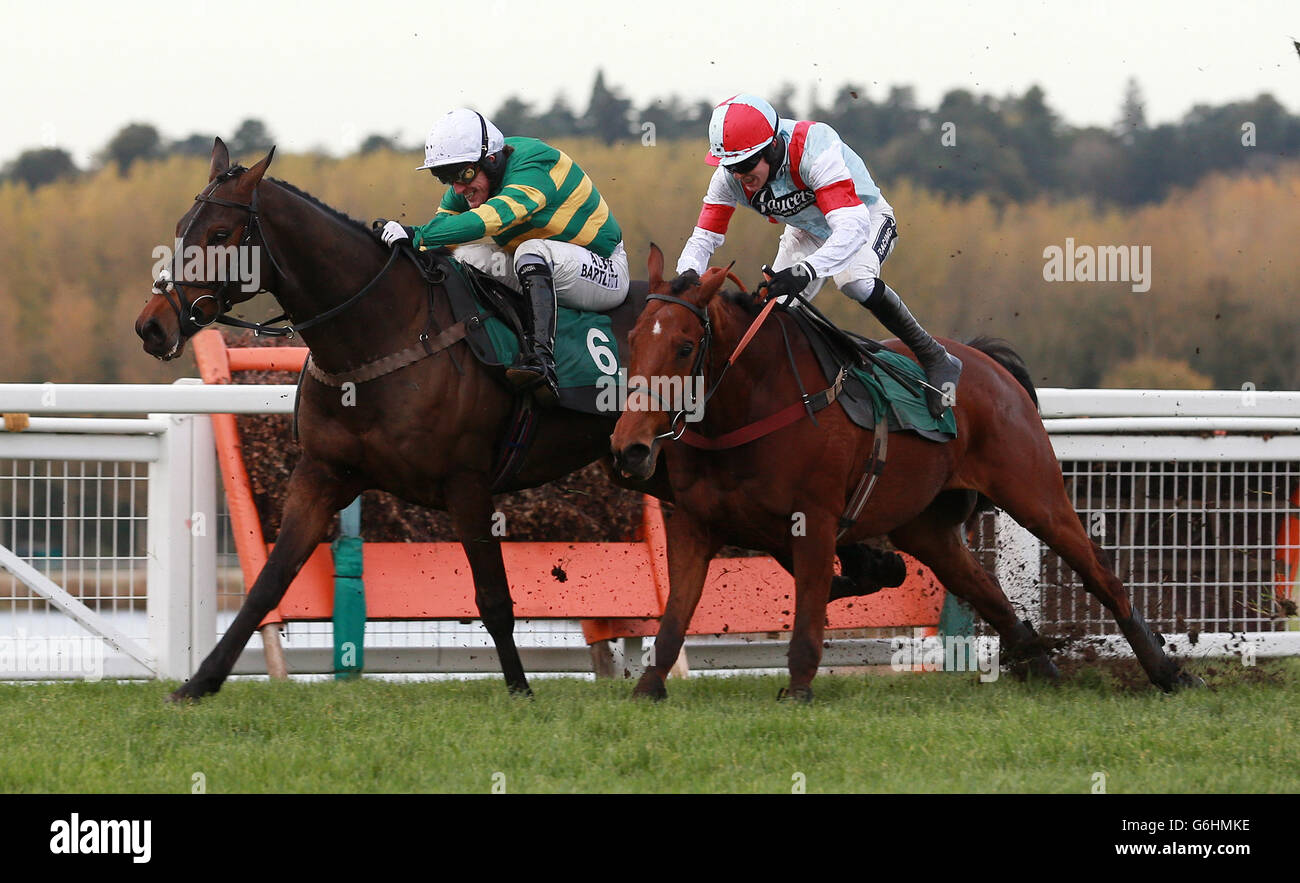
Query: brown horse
point(752, 495)
point(426, 432)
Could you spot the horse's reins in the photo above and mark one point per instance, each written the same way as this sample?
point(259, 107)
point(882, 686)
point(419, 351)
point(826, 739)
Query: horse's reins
point(188, 317)
point(807, 405)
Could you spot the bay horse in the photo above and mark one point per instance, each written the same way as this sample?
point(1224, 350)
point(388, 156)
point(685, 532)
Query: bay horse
point(425, 432)
point(750, 495)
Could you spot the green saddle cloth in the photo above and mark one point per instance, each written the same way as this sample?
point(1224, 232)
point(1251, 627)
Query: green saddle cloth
point(587, 357)
point(585, 348)
point(906, 409)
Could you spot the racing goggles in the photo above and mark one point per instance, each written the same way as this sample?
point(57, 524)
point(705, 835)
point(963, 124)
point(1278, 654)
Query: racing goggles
point(461, 174)
point(746, 165)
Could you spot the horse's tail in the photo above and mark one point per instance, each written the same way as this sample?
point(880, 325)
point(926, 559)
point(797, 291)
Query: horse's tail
point(1001, 352)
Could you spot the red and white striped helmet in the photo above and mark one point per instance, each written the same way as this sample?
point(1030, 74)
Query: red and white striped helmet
point(740, 127)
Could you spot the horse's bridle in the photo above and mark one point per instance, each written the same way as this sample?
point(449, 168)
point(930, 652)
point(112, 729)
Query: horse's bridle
point(677, 424)
point(186, 314)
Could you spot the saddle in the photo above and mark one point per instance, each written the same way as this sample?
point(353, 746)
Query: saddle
point(876, 380)
point(587, 354)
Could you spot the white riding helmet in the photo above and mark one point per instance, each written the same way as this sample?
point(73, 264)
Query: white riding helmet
point(463, 135)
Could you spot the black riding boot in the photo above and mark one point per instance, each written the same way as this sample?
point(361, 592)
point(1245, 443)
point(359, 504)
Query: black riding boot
point(941, 367)
point(535, 368)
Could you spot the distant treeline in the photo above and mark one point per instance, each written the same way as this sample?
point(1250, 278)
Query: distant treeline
point(1214, 306)
point(1009, 149)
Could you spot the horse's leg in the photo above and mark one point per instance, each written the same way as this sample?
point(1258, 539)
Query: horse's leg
point(814, 566)
point(469, 502)
point(866, 570)
point(935, 538)
point(315, 493)
point(1035, 497)
point(690, 548)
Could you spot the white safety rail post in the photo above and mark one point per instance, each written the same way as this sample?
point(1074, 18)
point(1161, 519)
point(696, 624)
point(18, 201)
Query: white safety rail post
point(202, 583)
point(182, 573)
point(170, 495)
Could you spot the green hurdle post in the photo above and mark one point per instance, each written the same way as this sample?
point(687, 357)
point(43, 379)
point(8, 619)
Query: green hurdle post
point(349, 595)
point(957, 620)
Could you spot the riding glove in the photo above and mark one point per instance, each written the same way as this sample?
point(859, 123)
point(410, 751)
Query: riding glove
point(393, 232)
point(791, 280)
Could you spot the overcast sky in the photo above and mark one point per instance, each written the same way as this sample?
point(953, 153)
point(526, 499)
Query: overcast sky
point(327, 73)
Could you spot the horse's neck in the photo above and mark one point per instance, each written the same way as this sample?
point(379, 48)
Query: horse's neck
point(325, 263)
point(741, 396)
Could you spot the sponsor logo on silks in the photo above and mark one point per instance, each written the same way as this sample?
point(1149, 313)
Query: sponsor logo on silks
point(601, 271)
point(885, 239)
point(78, 836)
point(791, 204)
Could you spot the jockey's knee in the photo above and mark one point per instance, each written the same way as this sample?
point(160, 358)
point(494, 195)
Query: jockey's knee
point(860, 290)
point(533, 252)
point(489, 259)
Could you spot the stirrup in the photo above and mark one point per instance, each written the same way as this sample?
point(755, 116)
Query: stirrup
point(532, 374)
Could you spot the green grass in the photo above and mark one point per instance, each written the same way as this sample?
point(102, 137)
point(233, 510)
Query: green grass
point(864, 733)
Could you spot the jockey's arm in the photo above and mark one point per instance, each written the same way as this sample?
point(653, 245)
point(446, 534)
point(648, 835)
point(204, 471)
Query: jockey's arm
point(711, 228)
point(455, 223)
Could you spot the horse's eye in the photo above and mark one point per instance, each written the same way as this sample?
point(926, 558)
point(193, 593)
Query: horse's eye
point(685, 350)
point(220, 235)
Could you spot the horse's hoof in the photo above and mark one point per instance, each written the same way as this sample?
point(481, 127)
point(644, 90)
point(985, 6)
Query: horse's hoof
point(798, 694)
point(1187, 681)
point(650, 687)
point(184, 695)
point(1044, 669)
point(522, 691)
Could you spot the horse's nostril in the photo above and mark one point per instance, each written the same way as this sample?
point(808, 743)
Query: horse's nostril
point(636, 455)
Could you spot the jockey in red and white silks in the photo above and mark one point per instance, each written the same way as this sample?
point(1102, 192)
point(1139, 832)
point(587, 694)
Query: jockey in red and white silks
point(837, 222)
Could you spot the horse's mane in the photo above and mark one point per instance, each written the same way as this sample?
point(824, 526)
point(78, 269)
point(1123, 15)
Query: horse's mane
point(681, 283)
point(328, 209)
point(742, 299)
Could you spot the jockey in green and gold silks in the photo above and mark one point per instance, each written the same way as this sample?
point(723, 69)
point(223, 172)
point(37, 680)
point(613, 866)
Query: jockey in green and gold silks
point(543, 195)
point(527, 214)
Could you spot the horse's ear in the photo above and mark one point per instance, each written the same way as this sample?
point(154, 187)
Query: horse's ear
point(655, 265)
point(220, 159)
point(253, 176)
point(711, 281)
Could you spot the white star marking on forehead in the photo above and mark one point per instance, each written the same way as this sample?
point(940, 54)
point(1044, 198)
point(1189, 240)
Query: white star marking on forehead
point(658, 329)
